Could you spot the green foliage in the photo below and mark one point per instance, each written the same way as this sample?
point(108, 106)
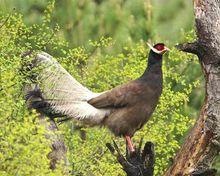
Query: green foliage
point(127, 22)
point(172, 19)
point(23, 147)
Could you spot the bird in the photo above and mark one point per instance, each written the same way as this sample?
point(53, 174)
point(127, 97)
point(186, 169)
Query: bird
point(123, 109)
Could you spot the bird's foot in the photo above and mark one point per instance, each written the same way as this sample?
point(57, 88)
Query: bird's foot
point(139, 162)
point(130, 145)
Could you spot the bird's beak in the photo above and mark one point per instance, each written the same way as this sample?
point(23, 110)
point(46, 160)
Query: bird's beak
point(167, 49)
point(164, 50)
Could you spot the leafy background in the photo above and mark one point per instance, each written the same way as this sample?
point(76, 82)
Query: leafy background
point(102, 44)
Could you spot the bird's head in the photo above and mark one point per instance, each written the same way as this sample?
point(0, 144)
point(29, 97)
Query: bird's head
point(159, 48)
point(156, 53)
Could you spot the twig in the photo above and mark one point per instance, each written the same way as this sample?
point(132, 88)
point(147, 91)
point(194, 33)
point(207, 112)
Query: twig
point(5, 21)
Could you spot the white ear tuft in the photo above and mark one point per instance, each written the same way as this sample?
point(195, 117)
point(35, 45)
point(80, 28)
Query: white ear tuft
point(154, 49)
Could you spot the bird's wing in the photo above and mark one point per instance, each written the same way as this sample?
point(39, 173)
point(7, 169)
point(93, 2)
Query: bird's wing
point(56, 93)
point(119, 96)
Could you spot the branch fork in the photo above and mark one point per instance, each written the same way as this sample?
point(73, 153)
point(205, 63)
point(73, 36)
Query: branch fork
point(137, 163)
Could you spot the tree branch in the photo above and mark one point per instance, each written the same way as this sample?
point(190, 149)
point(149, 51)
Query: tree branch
point(136, 163)
point(189, 47)
point(58, 148)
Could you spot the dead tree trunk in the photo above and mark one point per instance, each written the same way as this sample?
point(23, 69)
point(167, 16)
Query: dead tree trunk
point(203, 142)
point(58, 148)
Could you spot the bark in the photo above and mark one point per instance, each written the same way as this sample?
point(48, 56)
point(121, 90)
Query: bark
point(140, 162)
point(203, 142)
point(58, 148)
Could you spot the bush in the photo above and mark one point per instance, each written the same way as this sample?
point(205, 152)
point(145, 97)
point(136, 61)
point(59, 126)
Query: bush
point(23, 147)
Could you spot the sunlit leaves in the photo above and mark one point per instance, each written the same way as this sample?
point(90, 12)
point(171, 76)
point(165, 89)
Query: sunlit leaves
point(23, 147)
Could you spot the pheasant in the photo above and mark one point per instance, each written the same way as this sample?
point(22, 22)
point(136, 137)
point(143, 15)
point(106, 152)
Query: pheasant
point(123, 109)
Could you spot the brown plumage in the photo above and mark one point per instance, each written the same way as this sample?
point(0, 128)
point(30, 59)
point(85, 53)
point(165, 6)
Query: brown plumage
point(131, 104)
point(123, 109)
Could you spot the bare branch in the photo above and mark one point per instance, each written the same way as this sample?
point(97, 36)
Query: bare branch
point(189, 47)
point(136, 163)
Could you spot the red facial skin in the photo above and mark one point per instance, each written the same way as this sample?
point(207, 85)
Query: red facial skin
point(159, 47)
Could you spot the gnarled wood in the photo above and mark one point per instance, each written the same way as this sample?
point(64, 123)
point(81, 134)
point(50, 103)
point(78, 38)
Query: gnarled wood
point(203, 142)
point(138, 163)
point(58, 149)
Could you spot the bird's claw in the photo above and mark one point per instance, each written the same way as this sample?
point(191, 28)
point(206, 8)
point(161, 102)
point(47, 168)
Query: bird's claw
point(139, 162)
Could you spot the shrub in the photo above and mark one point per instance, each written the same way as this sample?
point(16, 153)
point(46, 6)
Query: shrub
point(23, 147)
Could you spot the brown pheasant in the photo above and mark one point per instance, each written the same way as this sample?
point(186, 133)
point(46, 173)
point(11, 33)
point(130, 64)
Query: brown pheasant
point(123, 109)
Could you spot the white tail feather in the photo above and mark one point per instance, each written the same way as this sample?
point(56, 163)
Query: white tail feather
point(63, 94)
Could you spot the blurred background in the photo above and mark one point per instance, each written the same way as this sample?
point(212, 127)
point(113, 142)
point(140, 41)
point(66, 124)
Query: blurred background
point(126, 21)
point(84, 24)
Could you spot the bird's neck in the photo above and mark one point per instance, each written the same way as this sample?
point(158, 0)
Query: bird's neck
point(154, 66)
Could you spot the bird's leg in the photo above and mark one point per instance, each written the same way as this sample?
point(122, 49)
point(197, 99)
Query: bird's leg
point(130, 145)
